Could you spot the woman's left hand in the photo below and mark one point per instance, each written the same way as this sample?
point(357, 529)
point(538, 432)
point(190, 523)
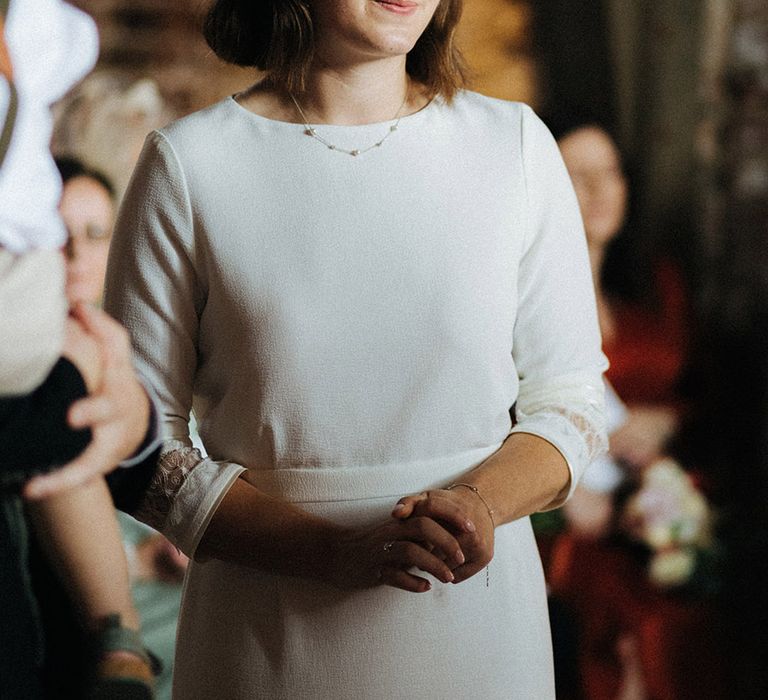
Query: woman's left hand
point(464, 514)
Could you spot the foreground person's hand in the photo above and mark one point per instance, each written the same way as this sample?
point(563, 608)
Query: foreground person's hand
point(117, 410)
point(465, 514)
point(386, 554)
point(643, 437)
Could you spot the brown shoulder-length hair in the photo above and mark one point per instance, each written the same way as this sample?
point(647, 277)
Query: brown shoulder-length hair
point(276, 36)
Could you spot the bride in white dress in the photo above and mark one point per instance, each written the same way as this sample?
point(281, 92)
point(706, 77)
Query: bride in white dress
point(352, 271)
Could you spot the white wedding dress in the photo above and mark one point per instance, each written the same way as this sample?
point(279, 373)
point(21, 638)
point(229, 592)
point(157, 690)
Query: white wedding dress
point(351, 330)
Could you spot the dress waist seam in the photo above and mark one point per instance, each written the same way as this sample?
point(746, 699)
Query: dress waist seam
point(321, 484)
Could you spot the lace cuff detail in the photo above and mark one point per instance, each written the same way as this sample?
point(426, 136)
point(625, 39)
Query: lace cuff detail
point(174, 466)
point(589, 424)
point(572, 419)
point(184, 494)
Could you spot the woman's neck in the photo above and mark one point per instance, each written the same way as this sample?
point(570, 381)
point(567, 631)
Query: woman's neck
point(367, 93)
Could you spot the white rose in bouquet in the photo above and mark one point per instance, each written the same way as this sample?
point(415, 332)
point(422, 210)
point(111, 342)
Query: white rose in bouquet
point(671, 516)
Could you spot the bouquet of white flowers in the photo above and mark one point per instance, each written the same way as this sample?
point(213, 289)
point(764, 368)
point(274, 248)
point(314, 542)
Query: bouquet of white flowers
point(673, 519)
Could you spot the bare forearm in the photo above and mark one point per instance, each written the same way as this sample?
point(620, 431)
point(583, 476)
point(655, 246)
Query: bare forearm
point(79, 533)
point(253, 529)
point(525, 475)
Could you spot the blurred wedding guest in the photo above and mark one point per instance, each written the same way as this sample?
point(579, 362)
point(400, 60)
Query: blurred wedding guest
point(642, 306)
point(155, 566)
point(103, 122)
point(47, 361)
point(643, 319)
point(87, 208)
point(634, 640)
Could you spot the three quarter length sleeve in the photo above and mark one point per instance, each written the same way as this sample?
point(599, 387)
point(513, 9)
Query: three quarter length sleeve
point(556, 337)
point(156, 287)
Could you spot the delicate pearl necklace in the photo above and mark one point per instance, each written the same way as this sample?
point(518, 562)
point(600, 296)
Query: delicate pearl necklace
point(309, 130)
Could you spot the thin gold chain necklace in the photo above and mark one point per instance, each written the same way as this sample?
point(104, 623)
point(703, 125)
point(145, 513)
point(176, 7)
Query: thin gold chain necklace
point(310, 130)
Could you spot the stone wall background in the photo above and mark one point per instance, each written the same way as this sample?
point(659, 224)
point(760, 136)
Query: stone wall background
point(733, 156)
point(161, 39)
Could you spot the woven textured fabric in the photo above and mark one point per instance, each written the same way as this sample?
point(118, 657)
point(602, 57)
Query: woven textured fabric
point(350, 330)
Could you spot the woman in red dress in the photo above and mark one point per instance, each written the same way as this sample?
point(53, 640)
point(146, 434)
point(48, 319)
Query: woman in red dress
point(635, 641)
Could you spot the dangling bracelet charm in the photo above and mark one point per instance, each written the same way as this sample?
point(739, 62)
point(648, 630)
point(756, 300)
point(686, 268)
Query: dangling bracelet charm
point(490, 514)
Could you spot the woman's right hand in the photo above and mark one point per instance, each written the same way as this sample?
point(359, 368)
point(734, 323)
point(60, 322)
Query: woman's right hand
point(385, 554)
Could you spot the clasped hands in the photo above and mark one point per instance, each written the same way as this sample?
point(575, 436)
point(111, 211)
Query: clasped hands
point(446, 533)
